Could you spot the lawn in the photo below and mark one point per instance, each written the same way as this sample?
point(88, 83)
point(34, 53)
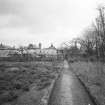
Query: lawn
point(92, 74)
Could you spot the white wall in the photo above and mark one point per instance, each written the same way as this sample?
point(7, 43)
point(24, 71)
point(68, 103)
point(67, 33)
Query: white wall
point(49, 51)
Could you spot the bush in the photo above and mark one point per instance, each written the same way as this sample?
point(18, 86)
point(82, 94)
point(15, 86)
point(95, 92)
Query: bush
point(8, 96)
point(17, 86)
point(25, 88)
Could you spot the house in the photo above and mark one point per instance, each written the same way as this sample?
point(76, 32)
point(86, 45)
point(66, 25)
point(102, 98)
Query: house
point(51, 51)
point(7, 51)
point(4, 50)
point(34, 50)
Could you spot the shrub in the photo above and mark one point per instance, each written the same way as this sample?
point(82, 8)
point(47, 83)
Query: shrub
point(25, 88)
point(17, 86)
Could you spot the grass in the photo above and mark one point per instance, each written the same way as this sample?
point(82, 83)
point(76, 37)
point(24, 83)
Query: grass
point(92, 74)
point(17, 78)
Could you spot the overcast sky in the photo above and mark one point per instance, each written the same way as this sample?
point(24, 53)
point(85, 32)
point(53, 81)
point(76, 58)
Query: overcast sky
point(45, 21)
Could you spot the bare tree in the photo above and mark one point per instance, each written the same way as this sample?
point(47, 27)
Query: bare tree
point(99, 30)
point(87, 42)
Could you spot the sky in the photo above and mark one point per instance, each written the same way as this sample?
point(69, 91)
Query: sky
point(46, 21)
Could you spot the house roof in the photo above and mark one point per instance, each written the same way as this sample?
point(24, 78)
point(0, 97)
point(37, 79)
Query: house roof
point(51, 47)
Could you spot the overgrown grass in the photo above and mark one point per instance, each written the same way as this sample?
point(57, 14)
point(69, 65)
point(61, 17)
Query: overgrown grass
point(92, 74)
point(17, 77)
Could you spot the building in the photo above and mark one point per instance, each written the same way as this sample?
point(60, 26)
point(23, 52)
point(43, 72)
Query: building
point(34, 50)
point(50, 51)
point(6, 51)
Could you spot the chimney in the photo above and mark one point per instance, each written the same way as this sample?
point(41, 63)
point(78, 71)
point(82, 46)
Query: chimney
point(40, 45)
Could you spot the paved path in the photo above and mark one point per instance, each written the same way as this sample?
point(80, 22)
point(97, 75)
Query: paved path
point(68, 90)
